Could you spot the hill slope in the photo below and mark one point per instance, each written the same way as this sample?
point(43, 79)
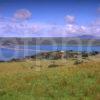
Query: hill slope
point(50, 40)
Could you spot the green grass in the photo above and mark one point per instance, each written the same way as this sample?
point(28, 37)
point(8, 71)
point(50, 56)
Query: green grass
point(61, 83)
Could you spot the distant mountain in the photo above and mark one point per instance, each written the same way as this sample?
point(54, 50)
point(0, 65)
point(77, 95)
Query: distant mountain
point(88, 37)
point(84, 40)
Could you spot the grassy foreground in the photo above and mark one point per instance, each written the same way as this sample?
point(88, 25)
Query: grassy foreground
point(18, 81)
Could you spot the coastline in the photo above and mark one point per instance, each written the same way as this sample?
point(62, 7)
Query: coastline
point(54, 55)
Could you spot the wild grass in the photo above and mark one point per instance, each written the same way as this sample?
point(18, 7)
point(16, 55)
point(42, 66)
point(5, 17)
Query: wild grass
point(65, 82)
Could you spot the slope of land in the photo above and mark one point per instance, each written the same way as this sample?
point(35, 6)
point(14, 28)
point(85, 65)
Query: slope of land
point(36, 80)
point(50, 41)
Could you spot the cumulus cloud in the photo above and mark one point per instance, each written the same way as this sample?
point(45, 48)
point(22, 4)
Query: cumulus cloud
point(56, 30)
point(14, 28)
point(22, 14)
point(95, 27)
point(8, 27)
point(44, 29)
point(70, 28)
point(36, 29)
point(70, 19)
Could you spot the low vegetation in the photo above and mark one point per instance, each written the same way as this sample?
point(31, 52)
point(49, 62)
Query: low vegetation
point(50, 80)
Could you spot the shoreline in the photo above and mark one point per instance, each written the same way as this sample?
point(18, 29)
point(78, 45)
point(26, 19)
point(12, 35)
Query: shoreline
point(54, 55)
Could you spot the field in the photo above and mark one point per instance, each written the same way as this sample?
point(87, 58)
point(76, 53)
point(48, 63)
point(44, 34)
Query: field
point(50, 80)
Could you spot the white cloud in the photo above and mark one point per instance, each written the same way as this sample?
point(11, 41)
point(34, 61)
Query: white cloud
point(22, 14)
point(70, 28)
point(70, 19)
point(9, 27)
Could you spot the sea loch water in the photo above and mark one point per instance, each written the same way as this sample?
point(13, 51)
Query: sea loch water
point(9, 53)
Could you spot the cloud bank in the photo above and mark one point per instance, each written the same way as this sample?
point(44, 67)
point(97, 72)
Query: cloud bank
point(20, 26)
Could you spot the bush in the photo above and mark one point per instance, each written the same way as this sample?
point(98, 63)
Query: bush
point(78, 62)
point(84, 54)
point(53, 65)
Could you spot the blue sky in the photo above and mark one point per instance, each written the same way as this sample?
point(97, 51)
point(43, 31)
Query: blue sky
point(49, 17)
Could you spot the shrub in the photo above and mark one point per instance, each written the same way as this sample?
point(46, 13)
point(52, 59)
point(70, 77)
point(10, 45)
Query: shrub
point(78, 62)
point(53, 65)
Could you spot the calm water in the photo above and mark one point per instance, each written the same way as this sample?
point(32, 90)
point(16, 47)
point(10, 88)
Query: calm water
point(22, 51)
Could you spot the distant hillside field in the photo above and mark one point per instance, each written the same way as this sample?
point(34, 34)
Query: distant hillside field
point(50, 41)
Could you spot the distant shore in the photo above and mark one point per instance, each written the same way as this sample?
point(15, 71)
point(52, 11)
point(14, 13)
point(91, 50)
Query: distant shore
point(54, 55)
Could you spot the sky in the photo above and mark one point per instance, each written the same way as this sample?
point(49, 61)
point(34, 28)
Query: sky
point(49, 18)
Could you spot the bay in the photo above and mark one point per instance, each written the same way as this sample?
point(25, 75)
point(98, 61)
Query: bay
point(8, 53)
